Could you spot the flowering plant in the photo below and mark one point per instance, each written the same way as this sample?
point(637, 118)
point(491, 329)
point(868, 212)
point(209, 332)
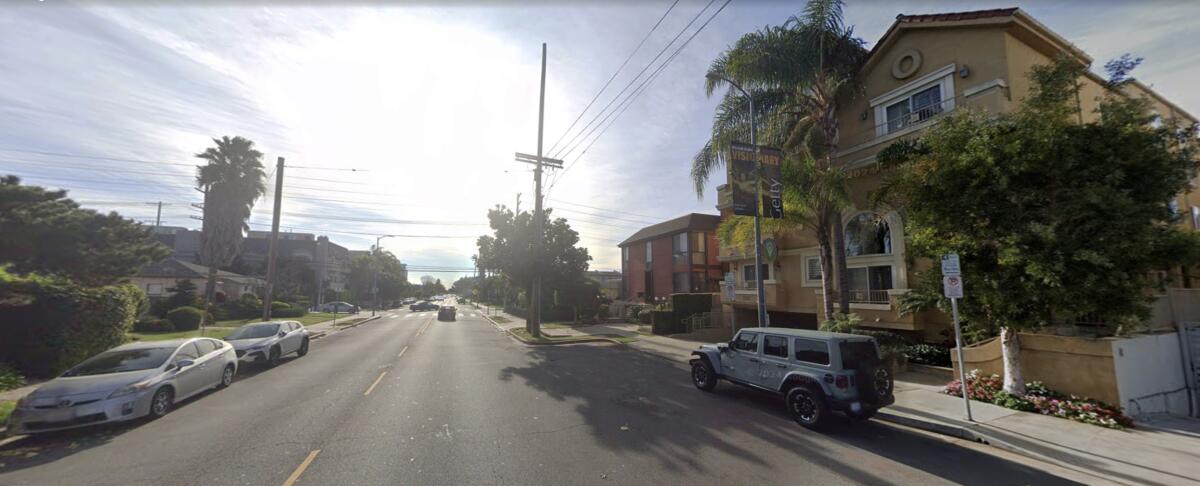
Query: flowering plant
point(1041, 399)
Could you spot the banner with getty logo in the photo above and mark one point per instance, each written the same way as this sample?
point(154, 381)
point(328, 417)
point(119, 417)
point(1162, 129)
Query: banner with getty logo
point(772, 181)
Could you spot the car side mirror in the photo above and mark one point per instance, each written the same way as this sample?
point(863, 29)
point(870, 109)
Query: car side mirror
point(282, 334)
point(184, 363)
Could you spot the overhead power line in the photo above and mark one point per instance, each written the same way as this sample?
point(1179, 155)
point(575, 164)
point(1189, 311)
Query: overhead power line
point(631, 82)
point(637, 92)
point(560, 201)
point(614, 75)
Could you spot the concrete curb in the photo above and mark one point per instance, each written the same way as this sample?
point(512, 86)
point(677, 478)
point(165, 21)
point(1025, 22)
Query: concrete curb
point(531, 343)
point(315, 335)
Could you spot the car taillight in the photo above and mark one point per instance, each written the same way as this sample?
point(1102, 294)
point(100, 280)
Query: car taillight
point(841, 381)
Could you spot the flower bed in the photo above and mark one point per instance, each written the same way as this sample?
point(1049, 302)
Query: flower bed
point(1040, 399)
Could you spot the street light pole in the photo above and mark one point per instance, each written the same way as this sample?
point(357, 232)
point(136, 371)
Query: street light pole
point(763, 318)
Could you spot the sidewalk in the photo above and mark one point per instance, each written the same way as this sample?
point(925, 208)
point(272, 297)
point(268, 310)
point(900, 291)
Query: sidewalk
point(1163, 450)
point(320, 329)
point(1144, 454)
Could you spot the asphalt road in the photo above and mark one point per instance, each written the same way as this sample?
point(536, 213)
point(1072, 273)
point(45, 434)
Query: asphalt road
point(410, 400)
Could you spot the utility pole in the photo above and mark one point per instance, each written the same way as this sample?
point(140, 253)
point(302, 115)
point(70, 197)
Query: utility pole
point(266, 313)
point(158, 215)
point(535, 294)
point(518, 211)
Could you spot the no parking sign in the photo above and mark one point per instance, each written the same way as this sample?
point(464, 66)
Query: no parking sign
point(952, 286)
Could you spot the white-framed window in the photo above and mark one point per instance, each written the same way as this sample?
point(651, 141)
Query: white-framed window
point(154, 289)
point(868, 233)
point(870, 284)
point(812, 269)
point(649, 255)
point(916, 102)
point(748, 276)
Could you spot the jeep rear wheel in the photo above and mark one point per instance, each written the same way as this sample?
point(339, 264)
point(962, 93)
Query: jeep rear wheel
point(807, 407)
point(703, 376)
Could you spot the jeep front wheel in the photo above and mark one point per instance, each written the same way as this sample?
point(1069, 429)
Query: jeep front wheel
point(703, 376)
point(807, 407)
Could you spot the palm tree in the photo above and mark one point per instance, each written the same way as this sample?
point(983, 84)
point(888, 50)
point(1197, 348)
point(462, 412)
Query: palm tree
point(797, 73)
point(231, 181)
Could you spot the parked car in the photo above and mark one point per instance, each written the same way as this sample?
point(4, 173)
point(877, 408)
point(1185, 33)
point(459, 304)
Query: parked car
point(423, 306)
point(447, 313)
point(126, 382)
point(815, 372)
point(268, 341)
point(341, 307)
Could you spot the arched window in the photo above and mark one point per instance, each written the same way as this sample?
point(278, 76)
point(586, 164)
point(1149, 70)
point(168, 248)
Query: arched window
point(868, 234)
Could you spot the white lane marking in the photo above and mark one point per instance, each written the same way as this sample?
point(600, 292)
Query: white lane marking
point(402, 352)
point(300, 469)
point(372, 387)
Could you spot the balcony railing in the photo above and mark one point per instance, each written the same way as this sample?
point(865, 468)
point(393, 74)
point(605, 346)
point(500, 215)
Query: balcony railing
point(883, 128)
point(860, 296)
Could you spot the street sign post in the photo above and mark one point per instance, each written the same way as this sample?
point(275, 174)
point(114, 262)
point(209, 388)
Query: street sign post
point(952, 286)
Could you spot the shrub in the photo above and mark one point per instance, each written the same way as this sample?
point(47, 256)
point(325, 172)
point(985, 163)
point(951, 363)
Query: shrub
point(153, 324)
point(289, 312)
point(928, 354)
point(10, 378)
point(602, 311)
point(49, 325)
point(1041, 399)
point(645, 315)
point(277, 306)
point(840, 322)
point(185, 318)
point(665, 322)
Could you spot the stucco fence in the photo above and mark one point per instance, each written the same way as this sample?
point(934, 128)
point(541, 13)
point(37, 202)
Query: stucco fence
point(1142, 373)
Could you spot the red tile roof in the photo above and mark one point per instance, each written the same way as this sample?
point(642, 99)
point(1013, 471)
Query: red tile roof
point(952, 16)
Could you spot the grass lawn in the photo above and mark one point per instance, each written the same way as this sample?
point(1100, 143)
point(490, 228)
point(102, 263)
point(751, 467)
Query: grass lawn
point(6, 408)
point(308, 319)
point(212, 331)
point(502, 320)
point(551, 338)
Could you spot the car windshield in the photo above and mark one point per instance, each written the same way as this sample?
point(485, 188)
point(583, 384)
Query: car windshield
point(253, 332)
point(859, 354)
point(117, 361)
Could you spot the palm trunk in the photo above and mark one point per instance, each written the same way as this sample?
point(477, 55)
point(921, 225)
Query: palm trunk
point(826, 272)
point(839, 251)
point(210, 291)
point(1010, 348)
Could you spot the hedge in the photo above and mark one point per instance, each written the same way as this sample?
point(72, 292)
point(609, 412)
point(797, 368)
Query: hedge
point(687, 305)
point(49, 325)
point(185, 318)
point(277, 306)
point(153, 324)
point(288, 312)
point(666, 322)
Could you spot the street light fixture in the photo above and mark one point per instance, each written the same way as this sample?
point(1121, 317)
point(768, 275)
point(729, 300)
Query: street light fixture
point(763, 319)
point(375, 275)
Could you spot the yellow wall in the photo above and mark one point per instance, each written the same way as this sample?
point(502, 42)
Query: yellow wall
point(1074, 365)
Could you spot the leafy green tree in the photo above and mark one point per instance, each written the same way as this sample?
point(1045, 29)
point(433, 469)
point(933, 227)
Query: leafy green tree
point(231, 181)
point(1053, 218)
point(44, 232)
point(509, 251)
point(798, 75)
point(295, 280)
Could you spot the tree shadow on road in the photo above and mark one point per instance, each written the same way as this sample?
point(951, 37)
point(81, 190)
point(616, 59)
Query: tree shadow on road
point(646, 405)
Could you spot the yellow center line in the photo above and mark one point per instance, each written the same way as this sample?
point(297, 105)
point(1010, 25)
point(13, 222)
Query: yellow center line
point(300, 469)
point(402, 352)
point(372, 387)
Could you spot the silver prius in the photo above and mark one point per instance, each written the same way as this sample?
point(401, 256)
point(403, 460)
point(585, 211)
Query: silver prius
point(126, 382)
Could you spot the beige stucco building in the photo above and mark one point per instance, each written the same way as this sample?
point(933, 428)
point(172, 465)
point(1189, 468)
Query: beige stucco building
point(923, 67)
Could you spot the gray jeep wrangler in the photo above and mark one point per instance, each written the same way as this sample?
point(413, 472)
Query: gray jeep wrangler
point(816, 372)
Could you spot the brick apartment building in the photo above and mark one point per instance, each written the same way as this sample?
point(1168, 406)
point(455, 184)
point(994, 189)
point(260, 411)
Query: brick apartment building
point(675, 256)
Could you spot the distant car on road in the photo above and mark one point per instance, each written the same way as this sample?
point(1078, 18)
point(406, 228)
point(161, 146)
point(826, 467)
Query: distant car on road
point(447, 313)
point(816, 372)
point(268, 341)
point(126, 382)
point(423, 306)
point(344, 307)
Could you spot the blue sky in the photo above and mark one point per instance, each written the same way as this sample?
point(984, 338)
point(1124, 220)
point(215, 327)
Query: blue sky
point(426, 104)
